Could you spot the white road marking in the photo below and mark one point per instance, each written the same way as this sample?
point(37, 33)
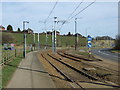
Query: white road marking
point(107, 54)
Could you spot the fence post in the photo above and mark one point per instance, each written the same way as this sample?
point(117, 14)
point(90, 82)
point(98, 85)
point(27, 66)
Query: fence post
point(15, 53)
point(7, 57)
point(3, 59)
point(8, 53)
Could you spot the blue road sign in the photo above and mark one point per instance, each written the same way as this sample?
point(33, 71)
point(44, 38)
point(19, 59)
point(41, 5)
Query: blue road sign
point(89, 41)
point(89, 45)
point(89, 38)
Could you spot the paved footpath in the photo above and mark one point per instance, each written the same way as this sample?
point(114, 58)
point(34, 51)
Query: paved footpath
point(31, 74)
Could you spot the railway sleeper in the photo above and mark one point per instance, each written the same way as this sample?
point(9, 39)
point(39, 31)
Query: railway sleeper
point(79, 57)
point(69, 57)
point(81, 72)
point(66, 77)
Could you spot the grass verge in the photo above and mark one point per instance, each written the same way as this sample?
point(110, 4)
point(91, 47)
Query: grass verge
point(9, 70)
point(83, 51)
point(115, 51)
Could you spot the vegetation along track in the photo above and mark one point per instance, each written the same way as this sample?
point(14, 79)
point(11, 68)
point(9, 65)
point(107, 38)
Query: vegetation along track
point(80, 59)
point(102, 73)
point(69, 72)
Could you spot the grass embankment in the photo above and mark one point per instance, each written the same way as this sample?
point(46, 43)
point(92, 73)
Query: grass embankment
point(62, 41)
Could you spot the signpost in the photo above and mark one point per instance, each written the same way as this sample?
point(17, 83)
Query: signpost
point(89, 44)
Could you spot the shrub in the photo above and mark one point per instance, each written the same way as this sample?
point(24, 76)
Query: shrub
point(117, 43)
point(7, 38)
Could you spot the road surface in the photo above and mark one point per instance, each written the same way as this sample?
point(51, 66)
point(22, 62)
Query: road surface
point(106, 54)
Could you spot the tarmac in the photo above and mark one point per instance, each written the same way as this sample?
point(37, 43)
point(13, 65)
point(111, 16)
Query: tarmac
point(31, 74)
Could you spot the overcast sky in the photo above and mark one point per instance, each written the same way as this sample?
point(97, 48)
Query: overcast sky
point(99, 19)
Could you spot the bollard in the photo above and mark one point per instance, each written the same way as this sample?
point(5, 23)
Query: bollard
point(90, 52)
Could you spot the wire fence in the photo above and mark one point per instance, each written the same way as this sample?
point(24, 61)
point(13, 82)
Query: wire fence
point(9, 55)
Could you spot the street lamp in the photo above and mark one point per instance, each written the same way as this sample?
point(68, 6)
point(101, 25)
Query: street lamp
point(24, 45)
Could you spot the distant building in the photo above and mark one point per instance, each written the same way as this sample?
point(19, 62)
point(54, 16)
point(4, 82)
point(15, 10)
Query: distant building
point(30, 31)
point(50, 33)
point(104, 38)
point(2, 28)
point(43, 33)
point(57, 33)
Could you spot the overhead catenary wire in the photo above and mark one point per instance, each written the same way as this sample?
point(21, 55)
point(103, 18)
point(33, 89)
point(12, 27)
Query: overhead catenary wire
point(83, 9)
point(72, 13)
point(51, 11)
point(78, 12)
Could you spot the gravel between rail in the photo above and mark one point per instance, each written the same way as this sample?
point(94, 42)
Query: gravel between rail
point(99, 72)
point(59, 80)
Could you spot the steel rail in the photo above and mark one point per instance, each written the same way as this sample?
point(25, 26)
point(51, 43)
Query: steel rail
point(67, 77)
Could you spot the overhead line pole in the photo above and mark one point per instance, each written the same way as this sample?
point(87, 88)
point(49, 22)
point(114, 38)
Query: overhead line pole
point(46, 36)
point(46, 40)
point(38, 42)
point(75, 34)
point(24, 36)
point(34, 41)
point(47, 19)
point(55, 21)
point(53, 39)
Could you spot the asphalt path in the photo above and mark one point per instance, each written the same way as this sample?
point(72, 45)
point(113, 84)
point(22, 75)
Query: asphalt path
point(107, 54)
point(30, 74)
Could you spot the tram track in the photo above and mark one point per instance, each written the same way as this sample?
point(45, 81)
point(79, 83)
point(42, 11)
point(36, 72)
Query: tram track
point(79, 59)
point(79, 71)
point(84, 76)
point(63, 74)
